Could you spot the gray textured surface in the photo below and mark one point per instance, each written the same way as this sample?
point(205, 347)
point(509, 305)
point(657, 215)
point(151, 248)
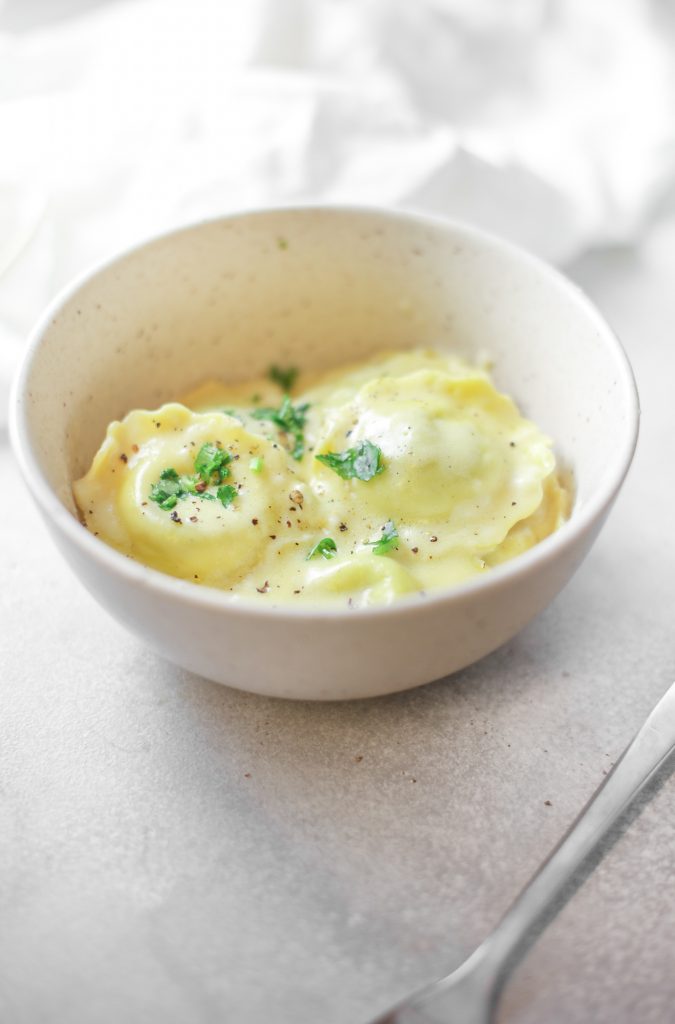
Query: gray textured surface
point(174, 851)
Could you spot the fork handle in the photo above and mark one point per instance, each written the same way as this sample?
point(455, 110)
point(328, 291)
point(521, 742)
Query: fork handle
point(641, 759)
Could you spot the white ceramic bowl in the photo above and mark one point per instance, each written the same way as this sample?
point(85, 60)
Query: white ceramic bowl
point(316, 287)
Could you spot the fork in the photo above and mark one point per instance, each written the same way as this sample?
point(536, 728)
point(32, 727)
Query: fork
point(469, 995)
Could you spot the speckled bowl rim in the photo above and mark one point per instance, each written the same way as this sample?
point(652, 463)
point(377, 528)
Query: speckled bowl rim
point(110, 560)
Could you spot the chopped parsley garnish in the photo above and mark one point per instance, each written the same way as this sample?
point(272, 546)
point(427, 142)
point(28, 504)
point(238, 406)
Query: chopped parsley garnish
point(212, 461)
point(363, 462)
point(326, 547)
point(226, 494)
point(211, 468)
point(290, 419)
point(284, 378)
point(167, 490)
point(387, 542)
point(256, 464)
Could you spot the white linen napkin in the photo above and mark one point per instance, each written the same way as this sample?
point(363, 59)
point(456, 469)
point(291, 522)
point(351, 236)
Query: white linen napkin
point(549, 121)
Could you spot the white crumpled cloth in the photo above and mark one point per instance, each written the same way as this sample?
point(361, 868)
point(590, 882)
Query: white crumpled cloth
point(549, 121)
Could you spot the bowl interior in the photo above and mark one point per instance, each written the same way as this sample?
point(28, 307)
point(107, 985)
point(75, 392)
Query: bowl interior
point(316, 288)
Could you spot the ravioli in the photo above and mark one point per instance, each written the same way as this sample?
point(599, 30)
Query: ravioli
point(403, 474)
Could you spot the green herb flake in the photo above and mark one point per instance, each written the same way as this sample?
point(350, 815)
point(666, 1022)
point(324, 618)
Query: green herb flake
point(290, 420)
point(387, 542)
point(363, 462)
point(256, 464)
point(211, 467)
point(226, 494)
point(282, 243)
point(327, 548)
point(167, 490)
point(211, 462)
point(284, 378)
